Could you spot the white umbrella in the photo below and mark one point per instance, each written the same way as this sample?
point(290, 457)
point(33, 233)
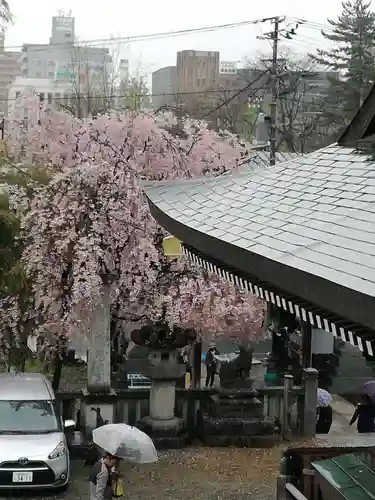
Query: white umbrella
point(227, 357)
point(126, 442)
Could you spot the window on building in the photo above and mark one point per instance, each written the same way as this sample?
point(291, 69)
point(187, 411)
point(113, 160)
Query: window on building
point(18, 94)
point(49, 98)
point(41, 96)
point(38, 74)
point(39, 62)
point(51, 74)
point(51, 63)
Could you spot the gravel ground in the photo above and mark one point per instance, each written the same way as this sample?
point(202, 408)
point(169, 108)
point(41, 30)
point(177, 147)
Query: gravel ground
point(196, 473)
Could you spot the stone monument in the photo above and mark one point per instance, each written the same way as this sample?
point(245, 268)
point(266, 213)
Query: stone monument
point(163, 369)
point(234, 416)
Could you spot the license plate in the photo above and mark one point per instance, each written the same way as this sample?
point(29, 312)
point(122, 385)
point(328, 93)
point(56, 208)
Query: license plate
point(22, 477)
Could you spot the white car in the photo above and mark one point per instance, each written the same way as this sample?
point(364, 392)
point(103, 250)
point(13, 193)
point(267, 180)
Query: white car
point(33, 446)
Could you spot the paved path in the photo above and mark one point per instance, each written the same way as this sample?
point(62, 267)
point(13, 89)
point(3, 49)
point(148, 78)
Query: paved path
point(342, 413)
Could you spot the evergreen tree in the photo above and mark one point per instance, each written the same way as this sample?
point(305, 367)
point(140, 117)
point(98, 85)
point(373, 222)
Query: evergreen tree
point(352, 58)
point(14, 283)
point(5, 13)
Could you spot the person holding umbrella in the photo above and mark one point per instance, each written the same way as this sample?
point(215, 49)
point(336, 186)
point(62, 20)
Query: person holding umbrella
point(324, 412)
point(103, 477)
point(364, 415)
point(211, 365)
point(120, 441)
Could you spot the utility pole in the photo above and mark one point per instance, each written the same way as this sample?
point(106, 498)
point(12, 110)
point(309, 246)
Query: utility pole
point(273, 105)
point(274, 37)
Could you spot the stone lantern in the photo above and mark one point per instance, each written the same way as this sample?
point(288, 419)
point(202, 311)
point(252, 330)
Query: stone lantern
point(163, 369)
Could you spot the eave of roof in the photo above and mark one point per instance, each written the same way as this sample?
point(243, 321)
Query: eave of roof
point(307, 226)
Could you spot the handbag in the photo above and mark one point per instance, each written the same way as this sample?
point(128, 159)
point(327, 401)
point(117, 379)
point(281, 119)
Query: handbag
point(118, 488)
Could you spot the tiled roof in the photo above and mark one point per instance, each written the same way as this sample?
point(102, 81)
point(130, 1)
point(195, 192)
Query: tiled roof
point(315, 213)
point(262, 158)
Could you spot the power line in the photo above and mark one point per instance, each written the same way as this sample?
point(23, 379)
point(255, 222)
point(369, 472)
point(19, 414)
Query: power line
point(239, 92)
point(140, 38)
point(75, 95)
point(312, 24)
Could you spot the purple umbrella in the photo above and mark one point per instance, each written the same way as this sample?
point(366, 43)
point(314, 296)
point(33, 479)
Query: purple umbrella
point(323, 398)
point(369, 389)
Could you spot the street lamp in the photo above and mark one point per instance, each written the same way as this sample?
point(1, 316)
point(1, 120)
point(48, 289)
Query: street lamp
point(171, 247)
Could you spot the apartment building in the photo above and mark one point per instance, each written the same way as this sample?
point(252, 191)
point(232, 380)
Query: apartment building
point(50, 91)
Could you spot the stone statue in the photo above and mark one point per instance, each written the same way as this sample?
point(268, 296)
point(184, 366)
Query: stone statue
point(234, 373)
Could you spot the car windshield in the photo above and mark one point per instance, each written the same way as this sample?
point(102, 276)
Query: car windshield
point(28, 417)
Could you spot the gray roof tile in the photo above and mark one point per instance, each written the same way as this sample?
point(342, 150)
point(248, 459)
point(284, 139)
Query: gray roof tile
point(315, 213)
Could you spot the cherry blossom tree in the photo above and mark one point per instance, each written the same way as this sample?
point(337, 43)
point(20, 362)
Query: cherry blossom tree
point(90, 225)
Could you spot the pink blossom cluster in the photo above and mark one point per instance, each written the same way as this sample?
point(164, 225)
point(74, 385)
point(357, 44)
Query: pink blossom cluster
point(90, 225)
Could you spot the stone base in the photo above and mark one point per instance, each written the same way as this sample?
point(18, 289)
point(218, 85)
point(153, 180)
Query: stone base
point(166, 434)
point(170, 443)
point(170, 427)
point(238, 426)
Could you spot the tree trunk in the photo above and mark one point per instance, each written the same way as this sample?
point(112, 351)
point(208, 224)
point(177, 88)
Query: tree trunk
point(17, 358)
point(57, 372)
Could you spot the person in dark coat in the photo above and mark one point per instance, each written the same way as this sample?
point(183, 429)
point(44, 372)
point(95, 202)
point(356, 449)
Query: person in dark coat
point(364, 415)
point(324, 422)
point(211, 365)
point(102, 477)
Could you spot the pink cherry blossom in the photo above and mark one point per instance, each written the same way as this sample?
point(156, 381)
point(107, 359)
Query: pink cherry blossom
point(91, 223)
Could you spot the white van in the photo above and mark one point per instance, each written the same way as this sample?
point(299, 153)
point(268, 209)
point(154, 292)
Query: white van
point(33, 447)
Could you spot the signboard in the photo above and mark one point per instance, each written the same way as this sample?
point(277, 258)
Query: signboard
point(64, 23)
point(65, 74)
point(228, 67)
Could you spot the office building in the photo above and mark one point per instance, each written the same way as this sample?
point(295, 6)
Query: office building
point(197, 75)
point(164, 87)
point(61, 58)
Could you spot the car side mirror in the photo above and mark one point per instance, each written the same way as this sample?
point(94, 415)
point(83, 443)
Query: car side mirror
point(69, 424)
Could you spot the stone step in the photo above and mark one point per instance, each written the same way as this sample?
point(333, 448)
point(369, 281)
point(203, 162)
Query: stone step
point(238, 412)
point(235, 426)
point(237, 402)
point(238, 392)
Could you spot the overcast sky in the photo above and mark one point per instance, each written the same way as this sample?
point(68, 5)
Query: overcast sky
point(119, 18)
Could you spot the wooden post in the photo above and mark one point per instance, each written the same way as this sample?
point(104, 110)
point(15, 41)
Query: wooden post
point(310, 401)
point(287, 400)
point(197, 364)
point(306, 332)
point(282, 479)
